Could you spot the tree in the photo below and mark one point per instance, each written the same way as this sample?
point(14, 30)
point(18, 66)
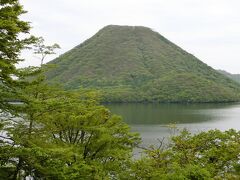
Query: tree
point(207, 155)
point(11, 46)
point(43, 50)
point(66, 134)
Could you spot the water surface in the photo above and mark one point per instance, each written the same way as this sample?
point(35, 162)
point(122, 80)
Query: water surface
point(152, 120)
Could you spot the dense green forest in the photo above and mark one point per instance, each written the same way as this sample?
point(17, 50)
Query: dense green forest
point(136, 64)
point(54, 134)
point(235, 77)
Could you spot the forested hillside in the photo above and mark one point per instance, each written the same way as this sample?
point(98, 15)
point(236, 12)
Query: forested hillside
point(235, 77)
point(136, 64)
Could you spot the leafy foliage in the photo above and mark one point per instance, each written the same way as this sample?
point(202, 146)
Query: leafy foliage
point(135, 64)
point(207, 155)
point(10, 47)
point(65, 135)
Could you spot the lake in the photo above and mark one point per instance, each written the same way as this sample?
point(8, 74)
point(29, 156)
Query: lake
point(152, 120)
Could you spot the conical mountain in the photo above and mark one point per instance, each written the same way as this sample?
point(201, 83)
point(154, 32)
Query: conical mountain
point(136, 64)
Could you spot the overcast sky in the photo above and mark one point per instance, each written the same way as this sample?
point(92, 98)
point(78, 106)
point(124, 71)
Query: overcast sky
point(209, 29)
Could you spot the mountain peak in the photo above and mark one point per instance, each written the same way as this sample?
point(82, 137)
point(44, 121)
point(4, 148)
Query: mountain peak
point(111, 26)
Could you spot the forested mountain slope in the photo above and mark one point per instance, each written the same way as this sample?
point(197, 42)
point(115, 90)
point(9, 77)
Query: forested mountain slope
point(136, 64)
point(235, 77)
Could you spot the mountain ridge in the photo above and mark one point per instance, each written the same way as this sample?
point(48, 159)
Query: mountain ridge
point(235, 77)
point(136, 64)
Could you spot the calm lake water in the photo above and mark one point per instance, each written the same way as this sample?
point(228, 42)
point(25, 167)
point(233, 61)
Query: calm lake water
point(152, 120)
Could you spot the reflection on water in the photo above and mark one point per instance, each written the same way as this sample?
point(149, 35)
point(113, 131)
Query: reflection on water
point(151, 120)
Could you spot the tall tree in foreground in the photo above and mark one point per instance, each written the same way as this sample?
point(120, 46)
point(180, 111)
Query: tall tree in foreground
point(11, 46)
